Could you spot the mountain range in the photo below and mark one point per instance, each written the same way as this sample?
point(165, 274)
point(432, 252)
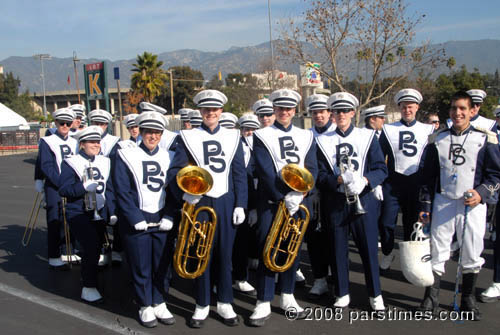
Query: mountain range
point(480, 54)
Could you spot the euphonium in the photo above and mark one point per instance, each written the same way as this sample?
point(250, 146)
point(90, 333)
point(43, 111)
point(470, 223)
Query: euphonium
point(195, 238)
point(286, 233)
point(346, 164)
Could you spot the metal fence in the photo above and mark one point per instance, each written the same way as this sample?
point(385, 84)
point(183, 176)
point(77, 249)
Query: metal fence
point(18, 140)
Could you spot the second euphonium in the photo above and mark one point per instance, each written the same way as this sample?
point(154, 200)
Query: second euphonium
point(195, 238)
point(286, 233)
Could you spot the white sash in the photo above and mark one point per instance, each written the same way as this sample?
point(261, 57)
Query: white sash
point(407, 144)
point(213, 152)
point(332, 127)
point(61, 148)
point(167, 138)
point(107, 144)
point(127, 144)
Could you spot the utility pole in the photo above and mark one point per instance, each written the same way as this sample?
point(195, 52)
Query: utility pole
point(42, 57)
point(75, 59)
point(172, 93)
point(271, 43)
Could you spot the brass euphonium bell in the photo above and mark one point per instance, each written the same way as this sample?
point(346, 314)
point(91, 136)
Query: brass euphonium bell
point(195, 238)
point(286, 233)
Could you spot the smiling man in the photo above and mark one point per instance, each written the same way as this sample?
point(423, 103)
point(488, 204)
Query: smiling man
point(457, 160)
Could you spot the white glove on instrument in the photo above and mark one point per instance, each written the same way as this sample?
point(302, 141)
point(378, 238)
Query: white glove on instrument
point(90, 185)
point(238, 216)
point(357, 186)
point(292, 201)
point(166, 223)
point(377, 192)
point(143, 225)
point(347, 177)
point(191, 199)
point(112, 220)
point(39, 185)
point(252, 217)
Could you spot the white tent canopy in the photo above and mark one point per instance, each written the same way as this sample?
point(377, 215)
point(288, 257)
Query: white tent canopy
point(9, 118)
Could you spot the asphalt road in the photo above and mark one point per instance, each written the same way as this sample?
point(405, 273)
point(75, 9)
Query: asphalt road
point(35, 300)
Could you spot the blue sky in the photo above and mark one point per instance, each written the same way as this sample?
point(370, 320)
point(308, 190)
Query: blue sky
point(122, 29)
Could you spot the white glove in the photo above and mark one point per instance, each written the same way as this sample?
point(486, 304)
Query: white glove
point(238, 216)
point(143, 225)
point(357, 186)
point(166, 223)
point(347, 177)
point(39, 185)
point(292, 201)
point(252, 217)
point(112, 220)
point(377, 192)
point(90, 185)
point(191, 199)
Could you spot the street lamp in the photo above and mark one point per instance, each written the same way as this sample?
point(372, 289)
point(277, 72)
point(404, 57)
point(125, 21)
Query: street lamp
point(42, 57)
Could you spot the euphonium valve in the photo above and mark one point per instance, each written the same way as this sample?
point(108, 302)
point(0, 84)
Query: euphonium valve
point(286, 233)
point(195, 238)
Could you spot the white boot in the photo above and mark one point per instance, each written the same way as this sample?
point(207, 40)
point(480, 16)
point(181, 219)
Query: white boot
point(91, 294)
point(319, 288)
point(225, 311)
point(56, 262)
point(74, 258)
point(147, 316)
point(244, 286)
point(377, 303)
point(199, 316)
point(261, 313)
point(342, 302)
point(287, 301)
point(163, 314)
point(386, 261)
point(299, 276)
point(491, 294)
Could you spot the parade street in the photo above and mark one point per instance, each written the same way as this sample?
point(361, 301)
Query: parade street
point(36, 300)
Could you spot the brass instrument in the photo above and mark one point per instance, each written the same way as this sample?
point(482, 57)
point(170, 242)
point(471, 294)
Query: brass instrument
point(286, 233)
point(30, 226)
point(195, 238)
point(90, 199)
point(346, 164)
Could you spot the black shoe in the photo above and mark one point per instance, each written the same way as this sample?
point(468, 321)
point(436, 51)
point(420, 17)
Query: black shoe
point(64, 267)
point(193, 323)
point(468, 301)
point(431, 297)
point(95, 302)
point(167, 321)
point(232, 322)
point(259, 322)
point(149, 324)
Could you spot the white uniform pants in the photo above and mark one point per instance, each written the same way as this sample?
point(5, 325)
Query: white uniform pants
point(448, 217)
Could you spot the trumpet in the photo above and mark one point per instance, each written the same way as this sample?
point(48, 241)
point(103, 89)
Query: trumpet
point(195, 238)
point(30, 226)
point(346, 164)
point(90, 199)
point(286, 233)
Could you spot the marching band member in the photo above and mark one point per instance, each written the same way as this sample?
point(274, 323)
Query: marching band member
point(458, 160)
point(195, 118)
point(263, 108)
point(402, 143)
point(184, 113)
point(274, 147)
point(433, 118)
point(168, 138)
point(374, 118)
point(228, 120)
point(51, 152)
point(220, 152)
point(79, 110)
point(102, 118)
point(478, 121)
point(86, 184)
point(133, 129)
point(351, 164)
point(140, 183)
point(244, 243)
point(317, 240)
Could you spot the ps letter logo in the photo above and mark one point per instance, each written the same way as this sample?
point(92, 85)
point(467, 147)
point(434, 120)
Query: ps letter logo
point(406, 141)
point(211, 151)
point(288, 150)
point(346, 149)
point(150, 171)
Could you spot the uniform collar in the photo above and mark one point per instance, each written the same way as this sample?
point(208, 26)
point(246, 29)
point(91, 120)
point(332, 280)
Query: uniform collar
point(60, 136)
point(346, 133)
point(104, 134)
point(87, 157)
point(408, 124)
point(216, 129)
point(282, 127)
point(146, 150)
point(475, 117)
point(454, 132)
point(321, 130)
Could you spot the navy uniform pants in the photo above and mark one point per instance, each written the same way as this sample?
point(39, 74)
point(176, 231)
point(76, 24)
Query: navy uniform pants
point(245, 236)
point(496, 253)
point(88, 233)
point(365, 235)
point(149, 261)
point(399, 192)
point(316, 237)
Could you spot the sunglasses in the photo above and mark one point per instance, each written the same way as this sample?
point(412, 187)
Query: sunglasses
point(435, 121)
point(65, 123)
point(338, 111)
point(267, 114)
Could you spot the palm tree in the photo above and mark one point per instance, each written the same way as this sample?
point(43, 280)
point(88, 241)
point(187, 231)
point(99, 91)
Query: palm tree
point(148, 78)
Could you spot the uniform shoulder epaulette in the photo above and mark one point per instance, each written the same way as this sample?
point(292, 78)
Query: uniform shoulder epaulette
point(492, 137)
point(433, 136)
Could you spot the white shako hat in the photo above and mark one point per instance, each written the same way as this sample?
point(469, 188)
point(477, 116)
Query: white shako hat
point(249, 121)
point(100, 115)
point(477, 95)
point(79, 110)
point(129, 120)
point(263, 106)
point(228, 120)
point(91, 133)
point(374, 111)
point(285, 98)
point(195, 117)
point(408, 94)
point(149, 107)
point(151, 120)
point(317, 102)
point(342, 100)
point(64, 114)
point(210, 99)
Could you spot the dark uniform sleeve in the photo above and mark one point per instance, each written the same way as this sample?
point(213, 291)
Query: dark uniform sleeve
point(327, 180)
point(71, 186)
point(181, 159)
point(38, 169)
point(110, 197)
point(238, 172)
point(48, 164)
point(429, 178)
point(376, 171)
point(490, 173)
